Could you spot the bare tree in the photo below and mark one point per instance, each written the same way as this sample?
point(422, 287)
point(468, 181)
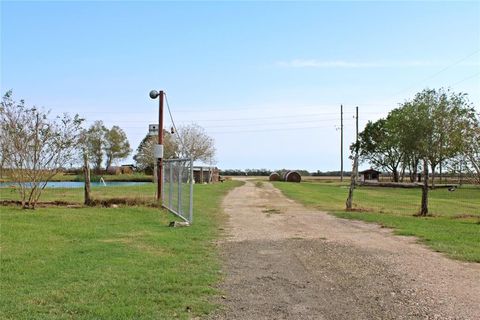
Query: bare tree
point(195, 143)
point(38, 147)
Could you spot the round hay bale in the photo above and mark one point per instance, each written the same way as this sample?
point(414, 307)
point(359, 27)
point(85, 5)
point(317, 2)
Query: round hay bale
point(293, 176)
point(114, 170)
point(274, 176)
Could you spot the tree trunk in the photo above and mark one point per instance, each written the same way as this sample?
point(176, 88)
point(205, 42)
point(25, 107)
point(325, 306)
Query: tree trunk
point(86, 174)
point(440, 172)
point(353, 179)
point(109, 161)
point(424, 209)
point(98, 166)
point(433, 175)
point(395, 175)
point(412, 168)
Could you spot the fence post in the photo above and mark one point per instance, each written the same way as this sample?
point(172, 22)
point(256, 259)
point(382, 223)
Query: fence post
point(192, 181)
point(163, 182)
point(179, 200)
point(170, 187)
point(86, 174)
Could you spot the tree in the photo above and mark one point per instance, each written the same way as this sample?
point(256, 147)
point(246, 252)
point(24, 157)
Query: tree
point(38, 147)
point(194, 143)
point(378, 144)
point(438, 120)
point(451, 115)
point(145, 158)
point(354, 174)
point(472, 149)
point(406, 132)
point(116, 145)
point(95, 140)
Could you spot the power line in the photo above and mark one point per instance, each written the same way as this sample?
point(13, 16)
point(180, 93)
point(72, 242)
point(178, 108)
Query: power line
point(174, 127)
point(275, 123)
point(274, 129)
point(234, 109)
point(248, 119)
point(465, 79)
point(214, 110)
point(438, 72)
point(259, 124)
point(265, 118)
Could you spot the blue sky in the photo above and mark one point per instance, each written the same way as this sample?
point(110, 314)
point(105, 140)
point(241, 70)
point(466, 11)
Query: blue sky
point(265, 79)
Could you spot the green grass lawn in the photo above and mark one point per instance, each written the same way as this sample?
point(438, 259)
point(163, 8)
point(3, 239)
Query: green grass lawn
point(453, 228)
point(105, 263)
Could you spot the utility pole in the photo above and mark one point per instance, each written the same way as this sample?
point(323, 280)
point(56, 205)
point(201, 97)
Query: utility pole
point(160, 142)
point(356, 117)
point(159, 148)
point(341, 142)
point(356, 145)
point(353, 178)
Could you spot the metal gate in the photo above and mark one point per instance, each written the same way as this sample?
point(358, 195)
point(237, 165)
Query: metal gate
point(177, 193)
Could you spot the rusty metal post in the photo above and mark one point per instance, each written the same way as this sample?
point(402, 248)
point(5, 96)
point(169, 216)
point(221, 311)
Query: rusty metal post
point(160, 141)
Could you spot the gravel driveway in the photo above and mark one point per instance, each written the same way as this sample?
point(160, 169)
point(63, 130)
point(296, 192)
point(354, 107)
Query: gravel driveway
point(284, 261)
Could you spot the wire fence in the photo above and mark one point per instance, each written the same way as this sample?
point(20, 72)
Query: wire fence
point(109, 190)
point(461, 201)
point(177, 192)
point(448, 198)
point(103, 191)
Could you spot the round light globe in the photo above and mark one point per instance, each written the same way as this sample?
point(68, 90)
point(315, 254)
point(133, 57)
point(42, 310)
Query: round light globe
point(154, 94)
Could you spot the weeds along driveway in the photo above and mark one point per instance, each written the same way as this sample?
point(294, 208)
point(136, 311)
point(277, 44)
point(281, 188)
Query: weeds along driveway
point(284, 261)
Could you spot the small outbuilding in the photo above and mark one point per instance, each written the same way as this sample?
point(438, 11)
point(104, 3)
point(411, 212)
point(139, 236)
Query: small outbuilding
point(369, 175)
point(206, 174)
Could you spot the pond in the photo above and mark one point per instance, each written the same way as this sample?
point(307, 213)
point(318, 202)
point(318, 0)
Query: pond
point(80, 184)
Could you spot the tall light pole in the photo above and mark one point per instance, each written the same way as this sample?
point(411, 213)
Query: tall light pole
point(159, 148)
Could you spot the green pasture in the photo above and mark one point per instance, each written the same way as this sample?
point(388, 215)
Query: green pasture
point(109, 263)
point(452, 228)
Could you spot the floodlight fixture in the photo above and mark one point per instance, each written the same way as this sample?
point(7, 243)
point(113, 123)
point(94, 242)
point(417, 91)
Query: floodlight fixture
point(154, 94)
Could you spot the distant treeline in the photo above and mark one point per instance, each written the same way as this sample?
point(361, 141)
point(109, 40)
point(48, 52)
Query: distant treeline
point(266, 172)
point(330, 173)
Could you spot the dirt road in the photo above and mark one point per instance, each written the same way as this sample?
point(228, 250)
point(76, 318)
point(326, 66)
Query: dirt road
point(284, 261)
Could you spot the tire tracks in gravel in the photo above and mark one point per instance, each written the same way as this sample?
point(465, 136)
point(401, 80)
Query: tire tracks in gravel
point(285, 261)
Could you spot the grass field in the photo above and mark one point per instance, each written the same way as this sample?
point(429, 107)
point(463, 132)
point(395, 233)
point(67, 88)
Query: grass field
point(105, 263)
point(453, 228)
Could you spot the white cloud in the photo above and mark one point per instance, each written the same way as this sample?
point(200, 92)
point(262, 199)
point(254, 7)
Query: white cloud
point(314, 63)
